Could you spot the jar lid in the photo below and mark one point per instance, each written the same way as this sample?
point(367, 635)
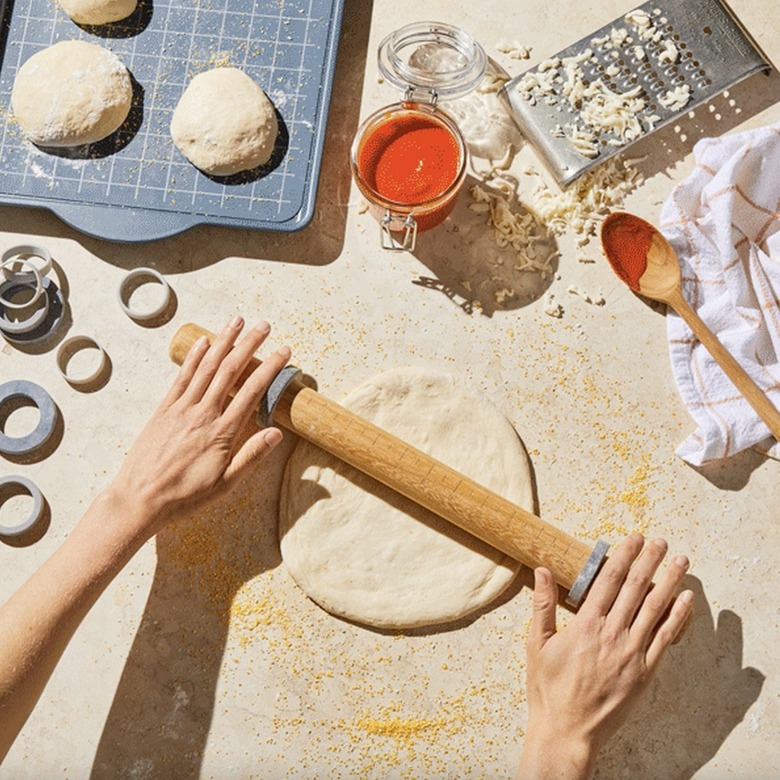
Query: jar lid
point(432, 60)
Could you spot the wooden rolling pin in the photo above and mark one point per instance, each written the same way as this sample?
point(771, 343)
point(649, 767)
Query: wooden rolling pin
point(482, 513)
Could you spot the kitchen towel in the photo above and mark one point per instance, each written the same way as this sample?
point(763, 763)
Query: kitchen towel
point(724, 223)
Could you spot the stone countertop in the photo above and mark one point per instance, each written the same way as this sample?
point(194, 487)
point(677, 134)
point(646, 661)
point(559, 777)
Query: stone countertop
point(203, 658)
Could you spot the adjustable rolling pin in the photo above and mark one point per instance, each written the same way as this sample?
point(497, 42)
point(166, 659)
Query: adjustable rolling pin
point(516, 532)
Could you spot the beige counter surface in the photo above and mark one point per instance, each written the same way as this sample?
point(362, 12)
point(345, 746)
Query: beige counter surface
point(204, 658)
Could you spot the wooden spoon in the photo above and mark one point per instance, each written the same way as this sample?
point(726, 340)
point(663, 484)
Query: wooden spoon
point(641, 256)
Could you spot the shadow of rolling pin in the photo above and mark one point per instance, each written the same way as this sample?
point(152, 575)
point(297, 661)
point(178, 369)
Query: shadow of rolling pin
point(458, 499)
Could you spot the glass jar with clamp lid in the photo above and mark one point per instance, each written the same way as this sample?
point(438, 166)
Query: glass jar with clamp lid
point(409, 159)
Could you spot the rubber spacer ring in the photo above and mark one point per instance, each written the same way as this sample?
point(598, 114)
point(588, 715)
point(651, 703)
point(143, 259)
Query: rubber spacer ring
point(69, 348)
point(26, 252)
point(23, 445)
point(38, 316)
point(7, 490)
point(265, 412)
point(124, 294)
point(33, 279)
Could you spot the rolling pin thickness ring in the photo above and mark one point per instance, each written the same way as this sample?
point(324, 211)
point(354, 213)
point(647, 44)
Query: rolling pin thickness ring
point(14, 486)
point(268, 404)
point(37, 396)
point(588, 574)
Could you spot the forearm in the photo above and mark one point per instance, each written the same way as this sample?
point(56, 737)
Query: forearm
point(548, 758)
point(39, 620)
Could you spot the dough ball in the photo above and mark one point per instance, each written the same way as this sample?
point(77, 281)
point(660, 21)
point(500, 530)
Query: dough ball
point(71, 94)
point(224, 123)
point(363, 552)
point(98, 11)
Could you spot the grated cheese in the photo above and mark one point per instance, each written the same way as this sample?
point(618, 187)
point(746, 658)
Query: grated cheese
point(515, 228)
point(669, 55)
point(551, 308)
point(618, 36)
point(581, 207)
point(676, 98)
point(515, 50)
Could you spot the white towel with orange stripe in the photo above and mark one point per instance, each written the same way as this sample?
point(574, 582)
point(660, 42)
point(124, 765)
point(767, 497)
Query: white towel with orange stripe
point(724, 223)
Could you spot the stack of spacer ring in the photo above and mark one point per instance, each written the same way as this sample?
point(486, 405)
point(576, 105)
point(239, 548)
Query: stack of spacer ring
point(35, 316)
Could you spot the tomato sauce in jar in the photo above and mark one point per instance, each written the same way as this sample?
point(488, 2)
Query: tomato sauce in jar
point(409, 160)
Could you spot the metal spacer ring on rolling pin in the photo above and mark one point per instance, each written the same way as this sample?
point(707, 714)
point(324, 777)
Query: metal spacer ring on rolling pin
point(588, 574)
point(11, 327)
point(268, 404)
point(25, 252)
point(9, 486)
point(126, 289)
point(29, 391)
point(32, 279)
point(69, 348)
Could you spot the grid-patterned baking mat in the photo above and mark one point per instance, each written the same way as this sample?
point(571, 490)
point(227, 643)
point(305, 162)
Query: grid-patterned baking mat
point(137, 186)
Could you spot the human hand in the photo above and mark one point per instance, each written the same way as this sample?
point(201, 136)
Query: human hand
point(583, 679)
point(192, 451)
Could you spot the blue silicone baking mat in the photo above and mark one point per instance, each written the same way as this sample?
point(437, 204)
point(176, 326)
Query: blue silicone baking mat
point(137, 186)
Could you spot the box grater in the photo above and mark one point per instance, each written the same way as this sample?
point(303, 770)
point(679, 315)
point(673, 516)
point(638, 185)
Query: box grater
point(656, 63)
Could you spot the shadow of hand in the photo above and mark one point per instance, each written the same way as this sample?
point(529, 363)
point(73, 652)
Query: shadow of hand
point(701, 693)
point(159, 721)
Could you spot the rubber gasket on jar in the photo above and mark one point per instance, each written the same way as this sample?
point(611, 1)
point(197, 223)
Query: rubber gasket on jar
point(69, 348)
point(47, 410)
point(32, 278)
point(35, 319)
point(126, 289)
point(9, 486)
point(26, 252)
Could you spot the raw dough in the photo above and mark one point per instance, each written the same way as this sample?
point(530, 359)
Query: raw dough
point(98, 11)
point(224, 123)
point(365, 553)
point(71, 94)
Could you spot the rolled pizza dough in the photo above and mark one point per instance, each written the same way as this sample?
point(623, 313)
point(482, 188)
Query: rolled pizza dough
point(70, 94)
point(224, 123)
point(365, 553)
point(98, 11)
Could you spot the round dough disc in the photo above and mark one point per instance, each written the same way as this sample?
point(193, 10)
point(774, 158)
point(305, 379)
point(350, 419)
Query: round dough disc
point(71, 94)
point(98, 11)
point(224, 123)
point(363, 552)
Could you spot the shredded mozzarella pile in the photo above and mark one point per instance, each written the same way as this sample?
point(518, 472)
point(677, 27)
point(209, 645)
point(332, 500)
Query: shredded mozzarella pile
point(516, 228)
point(676, 98)
point(613, 112)
point(584, 142)
point(514, 50)
point(669, 55)
point(581, 207)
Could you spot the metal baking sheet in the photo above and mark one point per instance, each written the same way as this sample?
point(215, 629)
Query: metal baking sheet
point(137, 186)
point(714, 53)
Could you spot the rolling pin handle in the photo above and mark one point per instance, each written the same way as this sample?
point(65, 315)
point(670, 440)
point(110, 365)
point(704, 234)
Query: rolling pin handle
point(588, 574)
point(269, 401)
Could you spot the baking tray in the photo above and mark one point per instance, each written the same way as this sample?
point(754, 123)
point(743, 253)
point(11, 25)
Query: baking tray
point(137, 186)
point(714, 52)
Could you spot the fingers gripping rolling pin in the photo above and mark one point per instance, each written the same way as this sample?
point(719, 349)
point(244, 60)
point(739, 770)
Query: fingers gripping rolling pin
point(426, 481)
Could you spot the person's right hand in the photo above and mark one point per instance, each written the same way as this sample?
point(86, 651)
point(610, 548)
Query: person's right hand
point(192, 450)
point(583, 679)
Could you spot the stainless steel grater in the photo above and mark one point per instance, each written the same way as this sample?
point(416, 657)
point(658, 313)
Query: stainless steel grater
point(662, 53)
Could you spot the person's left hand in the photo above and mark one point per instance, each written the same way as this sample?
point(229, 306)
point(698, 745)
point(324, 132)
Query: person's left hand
point(191, 452)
